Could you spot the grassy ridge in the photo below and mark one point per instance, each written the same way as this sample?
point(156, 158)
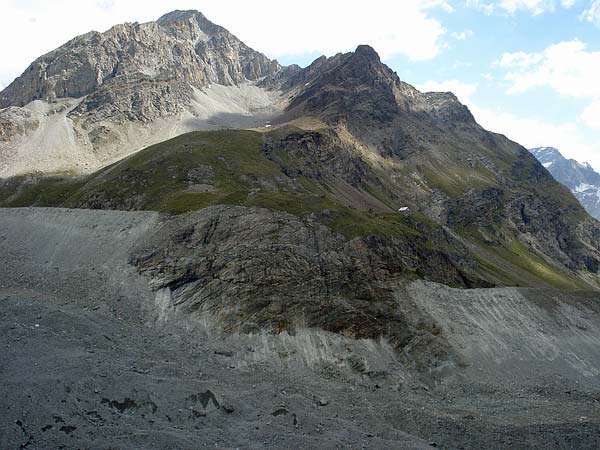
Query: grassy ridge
point(158, 178)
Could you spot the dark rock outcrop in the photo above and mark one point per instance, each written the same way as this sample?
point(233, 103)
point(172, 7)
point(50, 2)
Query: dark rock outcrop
point(252, 269)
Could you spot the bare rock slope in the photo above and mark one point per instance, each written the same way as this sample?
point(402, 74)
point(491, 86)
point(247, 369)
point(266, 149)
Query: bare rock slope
point(93, 350)
point(103, 95)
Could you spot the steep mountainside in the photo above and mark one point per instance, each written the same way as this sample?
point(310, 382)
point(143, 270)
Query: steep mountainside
point(314, 176)
point(581, 179)
point(430, 154)
point(103, 95)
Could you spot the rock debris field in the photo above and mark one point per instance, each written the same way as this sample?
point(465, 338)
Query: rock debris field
point(89, 361)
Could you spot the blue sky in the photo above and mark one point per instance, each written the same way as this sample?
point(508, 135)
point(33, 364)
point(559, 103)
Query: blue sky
point(559, 59)
point(526, 68)
point(470, 63)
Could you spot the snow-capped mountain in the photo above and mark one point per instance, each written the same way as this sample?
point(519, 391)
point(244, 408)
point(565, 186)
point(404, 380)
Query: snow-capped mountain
point(580, 178)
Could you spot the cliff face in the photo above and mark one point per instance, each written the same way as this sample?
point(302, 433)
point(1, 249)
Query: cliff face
point(181, 47)
point(252, 269)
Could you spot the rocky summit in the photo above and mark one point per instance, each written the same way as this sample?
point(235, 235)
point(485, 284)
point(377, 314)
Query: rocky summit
point(103, 95)
point(205, 248)
point(182, 47)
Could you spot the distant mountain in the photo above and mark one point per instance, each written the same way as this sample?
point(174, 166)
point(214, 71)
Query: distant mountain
point(581, 179)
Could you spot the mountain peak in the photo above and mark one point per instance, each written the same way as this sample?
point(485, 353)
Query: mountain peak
point(186, 19)
point(368, 52)
point(355, 86)
point(180, 16)
point(547, 155)
point(185, 47)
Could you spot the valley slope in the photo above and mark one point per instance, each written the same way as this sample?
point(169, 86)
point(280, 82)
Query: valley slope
point(94, 355)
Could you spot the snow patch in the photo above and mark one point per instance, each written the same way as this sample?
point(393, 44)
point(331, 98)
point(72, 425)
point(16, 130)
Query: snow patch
point(584, 187)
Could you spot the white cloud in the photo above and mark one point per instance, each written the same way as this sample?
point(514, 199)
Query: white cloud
point(462, 35)
point(486, 7)
point(531, 132)
point(519, 60)
point(535, 6)
point(591, 115)
point(592, 14)
point(566, 67)
point(312, 26)
point(391, 28)
point(443, 4)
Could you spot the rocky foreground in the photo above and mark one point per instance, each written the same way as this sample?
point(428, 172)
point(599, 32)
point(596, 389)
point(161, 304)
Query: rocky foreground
point(96, 353)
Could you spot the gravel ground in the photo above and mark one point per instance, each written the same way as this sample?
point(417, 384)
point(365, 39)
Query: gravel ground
point(84, 362)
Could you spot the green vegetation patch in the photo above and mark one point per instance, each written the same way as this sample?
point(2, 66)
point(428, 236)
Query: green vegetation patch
point(49, 191)
point(516, 253)
point(200, 169)
point(454, 181)
point(510, 263)
point(163, 176)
